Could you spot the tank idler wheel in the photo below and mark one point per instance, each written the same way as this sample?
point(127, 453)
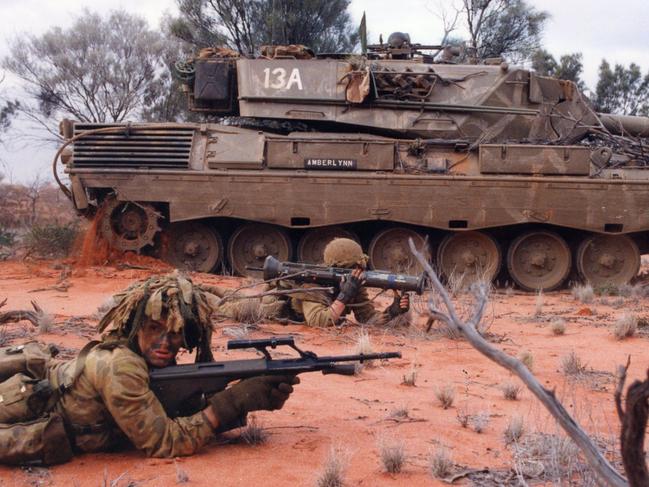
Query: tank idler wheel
point(312, 244)
point(389, 250)
point(127, 225)
point(252, 243)
point(469, 257)
point(539, 260)
point(192, 246)
point(608, 259)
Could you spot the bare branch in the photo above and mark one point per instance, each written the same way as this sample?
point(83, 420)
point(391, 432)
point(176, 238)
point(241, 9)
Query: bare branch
point(596, 460)
point(34, 317)
point(621, 379)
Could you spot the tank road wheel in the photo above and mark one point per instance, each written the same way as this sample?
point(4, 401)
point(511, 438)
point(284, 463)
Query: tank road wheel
point(469, 256)
point(539, 260)
point(127, 225)
point(252, 243)
point(608, 259)
point(389, 250)
point(312, 244)
point(192, 246)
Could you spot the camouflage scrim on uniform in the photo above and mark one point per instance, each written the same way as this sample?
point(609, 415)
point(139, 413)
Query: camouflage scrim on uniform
point(173, 299)
point(111, 399)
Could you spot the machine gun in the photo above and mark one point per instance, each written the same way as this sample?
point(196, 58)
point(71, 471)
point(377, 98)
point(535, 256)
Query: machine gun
point(182, 389)
point(331, 276)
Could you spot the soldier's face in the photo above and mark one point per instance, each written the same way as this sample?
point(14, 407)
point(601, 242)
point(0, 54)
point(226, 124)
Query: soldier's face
point(158, 346)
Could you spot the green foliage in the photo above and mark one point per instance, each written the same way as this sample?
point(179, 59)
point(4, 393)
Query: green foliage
point(101, 69)
point(7, 239)
point(51, 240)
point(7, 110)
point(246, 25)
point(569, 67)
point(622, 90)
point(508, 28)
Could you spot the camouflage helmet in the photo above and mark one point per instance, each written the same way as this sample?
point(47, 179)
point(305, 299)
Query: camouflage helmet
point(173, 299)
point(344, 252)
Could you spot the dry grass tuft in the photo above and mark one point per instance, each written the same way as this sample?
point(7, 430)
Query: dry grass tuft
point(403, 320)
point(333, 471)
point(410, 377)
point(363, 343)
point(538, 304)
point(558, 326)
point(364, 346)
point(45, 322)
point(527, 358)
point(625, 326)
point(514, 430)
point(584, 293)
point(103, 308)
point(463, 417)
point(399, 413)
point(445, 396)
point(572, 365)
point(248, 311)
point(550, 458)
point(440, 463)
point(480, 421)
point(511, 391)
point(254, 433)
point(393, 456)
point(181, 475)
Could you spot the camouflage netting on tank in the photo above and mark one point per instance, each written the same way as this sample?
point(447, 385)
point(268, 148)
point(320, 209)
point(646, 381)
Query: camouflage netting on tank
point(297, 51)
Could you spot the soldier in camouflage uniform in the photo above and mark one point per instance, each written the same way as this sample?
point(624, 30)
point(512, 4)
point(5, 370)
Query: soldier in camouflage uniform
point(325, 309)
point(110, 402)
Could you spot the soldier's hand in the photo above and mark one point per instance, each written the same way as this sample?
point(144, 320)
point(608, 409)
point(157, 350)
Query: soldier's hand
point(404, 303)
point(400, 304)
point(257, 393)
point(350, 285)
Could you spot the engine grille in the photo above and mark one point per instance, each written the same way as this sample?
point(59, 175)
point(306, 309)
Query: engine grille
point(155, 148)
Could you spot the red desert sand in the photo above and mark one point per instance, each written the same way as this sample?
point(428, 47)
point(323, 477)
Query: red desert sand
point(357, 416)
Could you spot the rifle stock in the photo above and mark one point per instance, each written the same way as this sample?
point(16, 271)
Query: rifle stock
point(181, 389)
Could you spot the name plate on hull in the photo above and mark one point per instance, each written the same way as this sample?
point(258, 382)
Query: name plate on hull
point(331, 164)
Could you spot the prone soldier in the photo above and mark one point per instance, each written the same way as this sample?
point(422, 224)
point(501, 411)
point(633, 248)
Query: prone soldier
point(320, 308)
point(102, 400)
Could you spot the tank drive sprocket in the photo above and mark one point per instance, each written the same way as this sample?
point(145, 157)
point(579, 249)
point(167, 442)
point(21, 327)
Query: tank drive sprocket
point(127, 225)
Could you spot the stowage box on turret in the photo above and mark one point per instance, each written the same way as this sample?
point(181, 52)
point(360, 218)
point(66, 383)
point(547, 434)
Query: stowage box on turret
point(498, 170)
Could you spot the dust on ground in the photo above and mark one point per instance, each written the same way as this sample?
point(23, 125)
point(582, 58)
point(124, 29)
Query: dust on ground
point(359, 416)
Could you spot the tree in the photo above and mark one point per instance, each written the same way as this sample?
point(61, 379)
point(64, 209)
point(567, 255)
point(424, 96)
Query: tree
point(569, 67)
point(101, 69)
point(169, 102)
point(622, 90)
point(323, 25)
point(8, 109)
point(507, 28)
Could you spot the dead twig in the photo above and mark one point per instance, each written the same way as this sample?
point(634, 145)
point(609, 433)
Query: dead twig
point(62, 287)
point(34, 317)
point(595, 459)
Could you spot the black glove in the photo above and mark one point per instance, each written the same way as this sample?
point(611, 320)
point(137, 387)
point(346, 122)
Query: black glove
point(266, 393)
point(349, 287)
point(397, 307)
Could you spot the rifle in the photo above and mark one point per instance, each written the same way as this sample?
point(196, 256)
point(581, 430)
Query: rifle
point(182, 389)
point(331, 276)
